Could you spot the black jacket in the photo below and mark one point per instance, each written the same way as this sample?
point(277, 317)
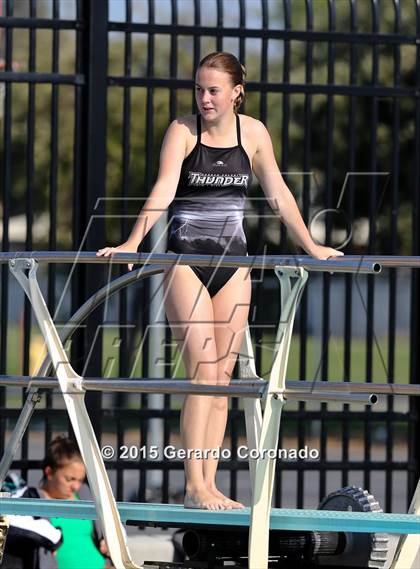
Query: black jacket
point(31, 540)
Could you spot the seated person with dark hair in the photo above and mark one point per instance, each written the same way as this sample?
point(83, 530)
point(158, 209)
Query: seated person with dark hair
point(37, 543)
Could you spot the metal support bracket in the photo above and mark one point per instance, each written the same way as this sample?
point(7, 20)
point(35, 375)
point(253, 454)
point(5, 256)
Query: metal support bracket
point(72, 389)
point(263, 426)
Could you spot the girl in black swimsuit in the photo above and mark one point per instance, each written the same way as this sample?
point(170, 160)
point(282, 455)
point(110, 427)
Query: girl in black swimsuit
point(208, 210)
point(205, 170)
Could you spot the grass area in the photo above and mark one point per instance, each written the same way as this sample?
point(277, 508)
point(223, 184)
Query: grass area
point(358, 359)
point(314, 352)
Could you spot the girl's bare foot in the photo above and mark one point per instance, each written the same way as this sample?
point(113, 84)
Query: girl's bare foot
point(232, 503)
point(204, 500)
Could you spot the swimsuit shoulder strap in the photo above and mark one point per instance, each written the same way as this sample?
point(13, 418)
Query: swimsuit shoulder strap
point(238, 130)
point(198, 129)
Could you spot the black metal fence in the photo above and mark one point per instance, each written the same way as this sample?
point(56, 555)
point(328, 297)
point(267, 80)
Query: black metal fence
point(87, 89)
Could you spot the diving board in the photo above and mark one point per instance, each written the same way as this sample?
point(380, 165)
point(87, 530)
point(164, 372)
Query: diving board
point(175, 515)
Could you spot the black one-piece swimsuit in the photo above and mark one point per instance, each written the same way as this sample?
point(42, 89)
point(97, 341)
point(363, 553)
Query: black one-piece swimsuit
point(208, 209)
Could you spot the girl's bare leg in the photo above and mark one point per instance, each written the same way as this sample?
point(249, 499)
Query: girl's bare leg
point(190, 313)
point(231, 308)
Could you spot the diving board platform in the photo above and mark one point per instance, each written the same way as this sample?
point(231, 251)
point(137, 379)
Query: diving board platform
point(263, 411)
point(176, 515)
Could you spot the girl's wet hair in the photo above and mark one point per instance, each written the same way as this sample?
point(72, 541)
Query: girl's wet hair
point(228, 63)
point(60, 452)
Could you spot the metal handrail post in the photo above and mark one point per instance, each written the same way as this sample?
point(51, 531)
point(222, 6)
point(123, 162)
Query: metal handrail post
point(74, 397)
point(268, 435)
